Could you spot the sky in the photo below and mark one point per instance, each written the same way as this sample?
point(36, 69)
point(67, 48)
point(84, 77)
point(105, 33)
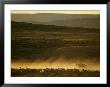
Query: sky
point(59, 12)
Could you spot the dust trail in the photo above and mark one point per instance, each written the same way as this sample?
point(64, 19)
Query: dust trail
point(88, 64)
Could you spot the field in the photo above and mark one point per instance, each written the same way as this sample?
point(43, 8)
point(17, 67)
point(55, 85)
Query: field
point(54, 44)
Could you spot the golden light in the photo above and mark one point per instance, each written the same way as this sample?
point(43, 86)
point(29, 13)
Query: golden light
point(58, 11)
point(55, 65)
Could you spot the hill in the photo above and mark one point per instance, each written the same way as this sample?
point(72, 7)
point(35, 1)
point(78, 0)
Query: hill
point(17, 26)
point(70, 20)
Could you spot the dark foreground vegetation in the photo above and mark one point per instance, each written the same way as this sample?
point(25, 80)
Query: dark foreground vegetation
point(50, 72)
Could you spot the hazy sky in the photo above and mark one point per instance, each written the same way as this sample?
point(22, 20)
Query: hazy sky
point(60, 12)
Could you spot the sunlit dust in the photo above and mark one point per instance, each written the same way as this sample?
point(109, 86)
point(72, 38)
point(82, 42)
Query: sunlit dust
point(88, 65)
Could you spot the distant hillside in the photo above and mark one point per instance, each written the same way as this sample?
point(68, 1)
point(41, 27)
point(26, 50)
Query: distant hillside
point(17, 26)
point(87, 23)
point(70, 20)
